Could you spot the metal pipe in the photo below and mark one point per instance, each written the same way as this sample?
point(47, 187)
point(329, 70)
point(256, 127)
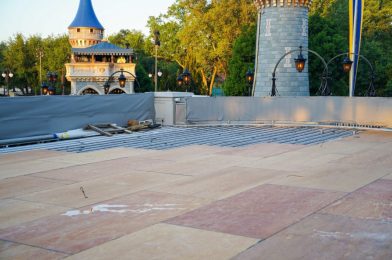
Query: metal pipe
point(24, 140)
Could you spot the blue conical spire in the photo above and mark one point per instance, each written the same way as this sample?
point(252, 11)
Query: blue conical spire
point(85, 16)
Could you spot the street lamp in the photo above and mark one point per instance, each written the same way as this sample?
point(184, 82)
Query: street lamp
point(122, 80)
point(184, 79)
point(347, 64)
point(300, 66)
point(300, 61)
point(180, 80)
point(7, 75)
point(150, 75)
point(106, 87)
point(249, 79)
point(52, 78)
point(44, 88)
point(186, 75)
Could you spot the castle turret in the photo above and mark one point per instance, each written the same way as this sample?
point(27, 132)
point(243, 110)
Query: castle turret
point(85, 30)
point(283, 26)
point(93, 60)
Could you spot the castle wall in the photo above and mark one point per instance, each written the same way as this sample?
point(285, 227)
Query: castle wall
point(282, 29)
point(84, 37)
point(94, 75)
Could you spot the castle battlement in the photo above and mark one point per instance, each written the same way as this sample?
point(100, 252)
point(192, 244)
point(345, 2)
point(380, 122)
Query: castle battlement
point(282, 3)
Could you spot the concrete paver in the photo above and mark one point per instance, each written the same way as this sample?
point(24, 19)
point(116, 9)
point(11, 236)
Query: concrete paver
point(29, 252)
point(298, 160)
point(262, 150)
point(188, 153)
point(16, 212)
point(334, 176)
point(93, 171)
point(100, 189)
point(222, 183)
point(373, 201)
point(163, 241)
point(388, 177)
point(28, 156)
point(327, 237)
point(100, 155)
point(204, 166)
point(80, 229)
point(259, 212)
point(372, 137)
point(15, 169)
point(20, 185)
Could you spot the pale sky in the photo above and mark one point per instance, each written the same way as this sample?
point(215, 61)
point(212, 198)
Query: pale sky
point(46, 17)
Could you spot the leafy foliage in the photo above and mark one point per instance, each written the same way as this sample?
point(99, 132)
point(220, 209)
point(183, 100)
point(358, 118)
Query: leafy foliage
point(242, 59)
point(21, 56)
point(202, 35)
point(328, 35)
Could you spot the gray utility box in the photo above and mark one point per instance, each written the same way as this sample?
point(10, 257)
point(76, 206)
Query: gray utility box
point(170, 108)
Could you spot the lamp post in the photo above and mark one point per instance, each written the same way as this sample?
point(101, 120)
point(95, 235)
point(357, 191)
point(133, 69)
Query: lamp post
point(347, 64)
point(153, 76)
point(186, 76)
point(184, 79)
point(157, 43)
point(7, 75)
point(44, 89)
point(249, 79)
point(52, 78)
point(180, 80)
point(122, 80)
point(40, 54)
point(300, 62)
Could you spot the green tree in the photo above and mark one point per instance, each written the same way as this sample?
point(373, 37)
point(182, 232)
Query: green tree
point(136, 40)
point(57, 52)
point(203, 33)
point(328, 35)
point(242, 59)
point(16, 59)
point(132, 38)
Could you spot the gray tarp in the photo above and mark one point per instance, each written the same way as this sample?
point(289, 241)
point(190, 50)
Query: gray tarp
point(360, 110)
point(41, 115)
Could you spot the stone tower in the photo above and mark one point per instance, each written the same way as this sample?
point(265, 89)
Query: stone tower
point(282, 27)
point(85, 30)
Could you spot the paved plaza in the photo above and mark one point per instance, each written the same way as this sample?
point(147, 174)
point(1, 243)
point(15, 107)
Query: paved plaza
point(328, 199)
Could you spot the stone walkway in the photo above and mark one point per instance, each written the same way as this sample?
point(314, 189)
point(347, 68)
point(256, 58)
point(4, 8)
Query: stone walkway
point(263, 201)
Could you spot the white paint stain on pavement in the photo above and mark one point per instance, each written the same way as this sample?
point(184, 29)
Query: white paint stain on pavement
point(122, 209)
point(379, 237)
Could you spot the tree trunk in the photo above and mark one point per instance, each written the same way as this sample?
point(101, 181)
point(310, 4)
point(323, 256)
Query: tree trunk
point(204, 79)
point(212, 80)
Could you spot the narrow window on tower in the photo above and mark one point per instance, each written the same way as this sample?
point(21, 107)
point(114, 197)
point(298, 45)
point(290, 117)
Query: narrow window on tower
point(91, 30)
point(78, 30)
point(268, 27)
point(304, 28)
point(287, 63)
